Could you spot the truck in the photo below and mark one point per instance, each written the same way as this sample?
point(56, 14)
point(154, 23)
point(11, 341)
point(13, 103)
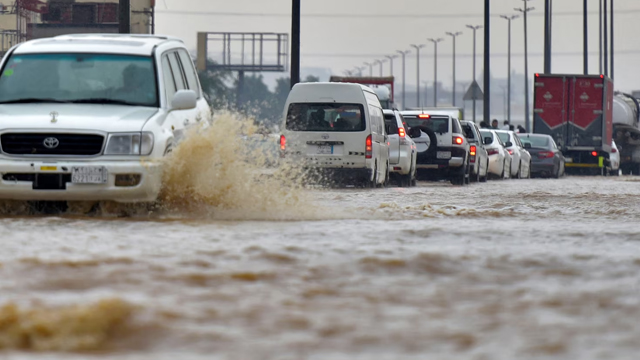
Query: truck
point(382, 86)
point(626, 131)
point(577, 111)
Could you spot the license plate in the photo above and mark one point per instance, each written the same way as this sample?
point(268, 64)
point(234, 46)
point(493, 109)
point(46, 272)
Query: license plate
point(568, 160)
point(88, 175)
point(443, 155)
point(324, 149)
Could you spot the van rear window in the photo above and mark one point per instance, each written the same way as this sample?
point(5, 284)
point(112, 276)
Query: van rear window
point(325, 117)
point(438, 125)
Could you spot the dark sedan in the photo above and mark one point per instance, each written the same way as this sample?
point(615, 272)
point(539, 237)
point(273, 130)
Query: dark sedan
point(546, 159)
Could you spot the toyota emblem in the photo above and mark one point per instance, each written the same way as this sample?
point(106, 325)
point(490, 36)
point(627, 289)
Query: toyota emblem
point(51, 143)
point(325, 136)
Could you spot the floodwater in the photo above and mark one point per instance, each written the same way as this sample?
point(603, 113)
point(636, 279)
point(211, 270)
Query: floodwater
point(519, 269)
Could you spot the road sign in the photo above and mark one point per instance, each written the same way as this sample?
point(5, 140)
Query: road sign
point(474, 92)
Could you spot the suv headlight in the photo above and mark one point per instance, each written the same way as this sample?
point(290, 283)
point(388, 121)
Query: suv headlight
point(129, 144)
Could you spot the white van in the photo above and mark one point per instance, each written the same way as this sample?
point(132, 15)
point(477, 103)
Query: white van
point(338, 130)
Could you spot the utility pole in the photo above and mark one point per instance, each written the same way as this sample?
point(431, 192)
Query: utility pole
point(380, 62)
point(606, 40)
point(295, 42)
point(393, 88)
point(454, 36)
point(509, 18)
point(404, 92)
point(474, 28)
point(435, 69)
point(547, 36)
point(124, 19)
point(418, 47)
point(600, 35)
point(487, 60)
point(524, 11)
point(612, 55)
point(585, 37)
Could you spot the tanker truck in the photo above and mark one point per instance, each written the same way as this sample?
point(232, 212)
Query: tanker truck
point(626, 131)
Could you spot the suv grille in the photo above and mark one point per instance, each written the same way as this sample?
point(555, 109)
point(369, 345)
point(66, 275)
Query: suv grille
point(58, 144)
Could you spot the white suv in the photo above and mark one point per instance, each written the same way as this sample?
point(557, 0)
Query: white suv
point(89, 117)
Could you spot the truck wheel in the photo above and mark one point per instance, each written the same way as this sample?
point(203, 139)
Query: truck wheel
point(486, 175)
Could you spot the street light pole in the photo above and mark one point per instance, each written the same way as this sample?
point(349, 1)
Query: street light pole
point(454, 35)
point(391, 57)
point(585, 37)
point(295, 43)
point(612, 55)
point(380, 62)
point(524, 11)
point(360, 68)
point(435, 69)
point(404, 92)
point(418, 47)
point(370, 65)
point(547, 36)
point(474, 28)
point(509, 18)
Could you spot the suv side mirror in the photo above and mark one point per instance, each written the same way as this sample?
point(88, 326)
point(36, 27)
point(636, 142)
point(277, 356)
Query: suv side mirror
point(527, 146)
point(508, 144)
point(184, 100)
point(488, 140)
point(415, 133)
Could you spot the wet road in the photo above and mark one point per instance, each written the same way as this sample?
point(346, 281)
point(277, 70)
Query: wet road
point(526, 269)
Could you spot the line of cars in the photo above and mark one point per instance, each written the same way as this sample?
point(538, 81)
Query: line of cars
point(343, 133)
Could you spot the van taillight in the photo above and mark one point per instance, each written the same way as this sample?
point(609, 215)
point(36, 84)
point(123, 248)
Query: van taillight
point(369, 148)
point(401, 132)
point(472, 151)
point(283, 143)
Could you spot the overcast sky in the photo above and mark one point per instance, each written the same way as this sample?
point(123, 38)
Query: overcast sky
point(366, 30)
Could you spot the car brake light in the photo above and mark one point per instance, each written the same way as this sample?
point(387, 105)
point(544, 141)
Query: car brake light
point(424, 116)
point(283, 142)
point(545, 154)
point(401, 132)
point(594, 153)
point(457, 140)
point(472, 151)
point(614, 150)
point(369, 148)
point(492, 151)
point(510, 151)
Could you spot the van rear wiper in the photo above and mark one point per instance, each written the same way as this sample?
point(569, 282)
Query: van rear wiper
point(34, 100)
point(103, 101)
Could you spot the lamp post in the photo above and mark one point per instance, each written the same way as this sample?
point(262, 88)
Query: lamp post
point(454, 36)
point(360, 68)
point(295, 42)
point(380, 62)
point(391, 57)
point(370, 65)
point(404, 92)
point(524, 11)
point(418, 47)
point(435, 69)
point(509, 18)
point(474, 28)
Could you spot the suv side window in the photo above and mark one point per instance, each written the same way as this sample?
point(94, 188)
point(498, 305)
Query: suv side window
point(189, 72)
point(178, 74)
point(455, 126)
point(169, 82)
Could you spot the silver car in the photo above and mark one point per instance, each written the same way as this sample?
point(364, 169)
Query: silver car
point(402, 150)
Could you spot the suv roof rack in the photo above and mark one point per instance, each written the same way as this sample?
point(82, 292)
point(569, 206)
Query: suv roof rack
point(121, 36)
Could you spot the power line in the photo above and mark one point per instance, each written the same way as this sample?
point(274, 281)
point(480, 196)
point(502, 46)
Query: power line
point(374, 16)
point(555, 54)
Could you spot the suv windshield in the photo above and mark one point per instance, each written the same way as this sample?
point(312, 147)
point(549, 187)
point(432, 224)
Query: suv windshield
point(437, 124)
point(81, 78)
point(504, 137)
point(325, 117)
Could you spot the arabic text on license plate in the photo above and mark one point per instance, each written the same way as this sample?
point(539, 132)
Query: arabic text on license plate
point(88, 175)
point(444, 154)
point(325, 149)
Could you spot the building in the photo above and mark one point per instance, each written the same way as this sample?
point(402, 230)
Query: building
point(22, 20)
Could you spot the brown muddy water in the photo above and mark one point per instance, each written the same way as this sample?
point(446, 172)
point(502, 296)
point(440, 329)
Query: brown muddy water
point(520, 269)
